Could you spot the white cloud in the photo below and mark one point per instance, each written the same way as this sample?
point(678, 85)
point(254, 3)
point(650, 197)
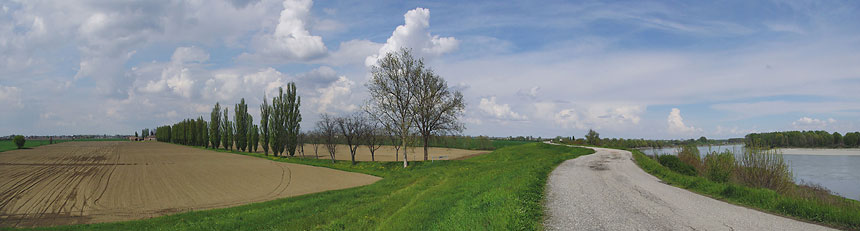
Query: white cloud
point(178, 75)
point(499, 111)
point(335, 97)
point(291, 40)
point(415, 34)
point(676, 123)
point(597, 116)
point(806, 123)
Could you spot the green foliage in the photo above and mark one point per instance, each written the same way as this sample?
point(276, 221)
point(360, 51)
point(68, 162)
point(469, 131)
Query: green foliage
point(19, 141)
point(265, 129)
point(675, 164)
point(284, 121)
point(764, 168)
point(719, 166)
point(592, 137)
point(241, 120)
point(690, 155)
point(215, 126)
point(498, 191)
point(844, 214)
point(804, 139)
point(7, 145)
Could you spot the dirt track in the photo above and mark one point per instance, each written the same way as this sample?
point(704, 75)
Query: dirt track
point(91, 182)
point(607, 191)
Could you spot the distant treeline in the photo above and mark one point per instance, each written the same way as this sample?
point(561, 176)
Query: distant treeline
point(803, 139)
point(643, 143)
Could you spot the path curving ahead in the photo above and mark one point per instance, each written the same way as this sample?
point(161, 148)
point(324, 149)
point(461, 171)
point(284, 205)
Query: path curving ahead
point(607, 191)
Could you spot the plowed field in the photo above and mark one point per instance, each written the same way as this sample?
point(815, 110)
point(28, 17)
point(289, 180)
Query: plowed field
point(90, 182)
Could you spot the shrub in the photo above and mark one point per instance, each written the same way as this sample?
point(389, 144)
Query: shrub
point(719, 166)
point(675, 164)
point(764, 168)
point(689, 154)
point(19, 141)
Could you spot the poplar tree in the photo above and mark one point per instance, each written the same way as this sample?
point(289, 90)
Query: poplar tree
point(265, 114)
point(240, 120)
point(215, 128)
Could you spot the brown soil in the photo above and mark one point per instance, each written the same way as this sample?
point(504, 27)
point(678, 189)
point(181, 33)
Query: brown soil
point(387, 153)
point(91, 182)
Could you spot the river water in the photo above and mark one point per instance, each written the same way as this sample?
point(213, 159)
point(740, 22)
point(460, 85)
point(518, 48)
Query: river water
point(839, 173)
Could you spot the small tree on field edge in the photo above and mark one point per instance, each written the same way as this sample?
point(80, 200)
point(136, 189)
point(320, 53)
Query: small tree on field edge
point(19, 141)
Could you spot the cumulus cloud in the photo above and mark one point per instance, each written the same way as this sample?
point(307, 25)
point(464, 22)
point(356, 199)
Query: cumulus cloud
point(415, 34)
point(499, 111)
point(291, 40)
point(806, 123)
point(177, 75)
point(335, 96)
point(676, 123)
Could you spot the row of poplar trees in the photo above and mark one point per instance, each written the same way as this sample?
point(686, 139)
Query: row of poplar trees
point(278, 129)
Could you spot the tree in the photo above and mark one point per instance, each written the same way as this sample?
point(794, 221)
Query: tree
point(277, 123)
point(327, 127)
point(240, 120)
point(19, 141)
point(391, 89)
point(373, 137)
point(837, 139)
point(265, 114)
point(437, 108)
point(136, 135)
point(294, 118)
point(231, 137)
point(315, 139)
point(592, 137)
point(215, 128)
point(226, 140)
point(300, 140)
point(255, 138)
point(351, 127)
point(703, 140)
point(144, 133)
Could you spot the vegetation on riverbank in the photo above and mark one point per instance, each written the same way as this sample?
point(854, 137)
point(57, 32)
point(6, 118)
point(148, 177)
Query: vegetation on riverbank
point(804, 139)
point(502, 190)
point(805, 202)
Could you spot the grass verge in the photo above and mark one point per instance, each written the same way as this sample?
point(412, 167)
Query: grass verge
point(502, 190)
point(6, 145)
point(845, 216)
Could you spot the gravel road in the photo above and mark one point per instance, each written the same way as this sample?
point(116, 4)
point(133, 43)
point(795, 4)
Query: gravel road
point(607, 191)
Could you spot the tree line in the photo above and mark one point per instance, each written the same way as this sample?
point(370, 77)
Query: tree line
point(279, 131)
point(408, 101)
point(803, 139)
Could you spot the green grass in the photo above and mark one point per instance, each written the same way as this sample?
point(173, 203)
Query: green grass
point(845, 215)
point(502, 190)
point(6, 145)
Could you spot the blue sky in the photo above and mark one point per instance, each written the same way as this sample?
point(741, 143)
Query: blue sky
point(632, 69)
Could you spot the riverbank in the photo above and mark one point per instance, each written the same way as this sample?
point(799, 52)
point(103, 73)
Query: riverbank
point(821, 151)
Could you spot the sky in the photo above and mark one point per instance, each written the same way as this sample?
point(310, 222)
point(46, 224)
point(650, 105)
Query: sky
point(629, 69)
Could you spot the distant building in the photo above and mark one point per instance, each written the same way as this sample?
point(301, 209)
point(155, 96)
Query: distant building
point(150, 138)
point(133, 138)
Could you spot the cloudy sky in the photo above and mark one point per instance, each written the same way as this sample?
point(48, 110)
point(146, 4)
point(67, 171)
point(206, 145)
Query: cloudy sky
point(628, 69)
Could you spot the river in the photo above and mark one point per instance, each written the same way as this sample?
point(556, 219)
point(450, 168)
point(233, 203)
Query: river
point(839, 173)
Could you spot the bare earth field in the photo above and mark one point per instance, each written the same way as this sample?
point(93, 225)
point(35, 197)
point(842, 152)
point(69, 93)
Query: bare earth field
point(386, 153)
point(92, 182)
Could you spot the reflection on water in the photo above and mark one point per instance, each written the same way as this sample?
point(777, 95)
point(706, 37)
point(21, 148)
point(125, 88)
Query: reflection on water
point(840, 174)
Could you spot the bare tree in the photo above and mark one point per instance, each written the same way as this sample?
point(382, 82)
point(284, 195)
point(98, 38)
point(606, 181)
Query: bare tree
point(300, 140)
point(391, 134)
point(373, 137)
point(351, 127)
point(437, 108)
point(327, 127)
point(391, 88)
point(315, 138)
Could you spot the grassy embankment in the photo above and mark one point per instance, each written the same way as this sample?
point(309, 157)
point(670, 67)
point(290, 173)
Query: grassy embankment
point(829, 210)
point(6, 145)
point(502, 190)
